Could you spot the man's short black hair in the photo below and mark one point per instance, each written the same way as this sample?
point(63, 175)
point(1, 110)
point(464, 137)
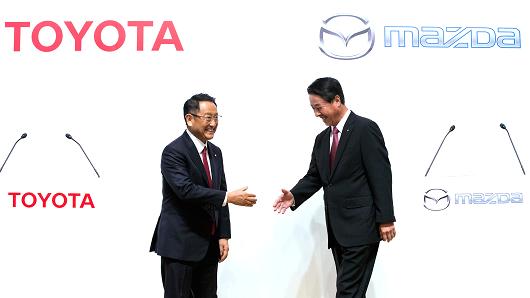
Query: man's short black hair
point(191, 106)
point(327, 88)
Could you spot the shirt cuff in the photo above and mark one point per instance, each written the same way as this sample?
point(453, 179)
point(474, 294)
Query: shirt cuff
point(226, 200)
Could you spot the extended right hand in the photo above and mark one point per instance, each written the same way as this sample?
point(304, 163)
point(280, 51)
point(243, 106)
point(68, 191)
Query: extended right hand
point(284, 201)
point(241, 197)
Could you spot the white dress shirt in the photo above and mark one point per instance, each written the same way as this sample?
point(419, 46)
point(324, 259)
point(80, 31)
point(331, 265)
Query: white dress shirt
point(340, 127)
point(199, 145)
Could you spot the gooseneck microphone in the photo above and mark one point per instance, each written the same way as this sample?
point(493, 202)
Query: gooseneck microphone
point(450, 130)
point(68, 136)
point(23, 136)
point(513, 146)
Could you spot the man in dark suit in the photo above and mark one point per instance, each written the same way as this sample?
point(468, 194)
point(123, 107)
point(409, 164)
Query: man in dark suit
point(193, 229)
point(350, 162)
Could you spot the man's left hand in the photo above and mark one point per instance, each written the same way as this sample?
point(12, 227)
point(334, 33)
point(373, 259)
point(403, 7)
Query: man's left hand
point(387, 231)
point(223, 249)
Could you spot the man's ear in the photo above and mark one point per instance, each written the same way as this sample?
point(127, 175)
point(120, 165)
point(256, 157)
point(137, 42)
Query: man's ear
point(336, 99)
point(188, 118)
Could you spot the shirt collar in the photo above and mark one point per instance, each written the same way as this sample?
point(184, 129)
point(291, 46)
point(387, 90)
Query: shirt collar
point(342, 122)
point(198, 143)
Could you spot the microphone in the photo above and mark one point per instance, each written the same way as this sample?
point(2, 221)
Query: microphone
point(23, 136)
point(504, 127)
point(450, 130)
point(68, 136)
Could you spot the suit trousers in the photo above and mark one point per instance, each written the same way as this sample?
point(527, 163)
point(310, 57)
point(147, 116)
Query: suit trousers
point(354, 268)
point(183, 279)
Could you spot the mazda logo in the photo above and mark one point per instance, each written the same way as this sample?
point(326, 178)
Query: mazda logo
point(346, 37)
point(436, 199)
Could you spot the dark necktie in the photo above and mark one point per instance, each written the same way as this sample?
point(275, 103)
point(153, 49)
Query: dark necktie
point(209, 207)
point(206, 167)
point(334, 146)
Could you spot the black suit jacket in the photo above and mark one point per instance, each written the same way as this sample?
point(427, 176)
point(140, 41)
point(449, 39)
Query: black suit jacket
point(183, 230)
point(358, 192)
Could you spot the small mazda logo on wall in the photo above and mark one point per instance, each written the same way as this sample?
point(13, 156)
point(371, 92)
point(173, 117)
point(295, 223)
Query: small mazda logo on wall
point(346, 37)
point(436, 199)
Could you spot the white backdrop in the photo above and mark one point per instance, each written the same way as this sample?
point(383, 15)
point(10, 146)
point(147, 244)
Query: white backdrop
point(257, 59)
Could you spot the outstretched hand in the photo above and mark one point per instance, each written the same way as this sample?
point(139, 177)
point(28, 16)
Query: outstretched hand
point(284, 201)
point(241, 197)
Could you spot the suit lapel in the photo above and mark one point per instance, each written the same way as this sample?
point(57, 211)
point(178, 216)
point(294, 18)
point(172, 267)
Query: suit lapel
point(324, 156)
point(345, 136)
point(195, 157)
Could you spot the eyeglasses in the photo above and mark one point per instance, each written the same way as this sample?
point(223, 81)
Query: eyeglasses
point(208, 118)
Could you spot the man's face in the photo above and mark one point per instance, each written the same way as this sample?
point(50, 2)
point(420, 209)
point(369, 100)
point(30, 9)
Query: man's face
point(198, 123)
point(328, 112)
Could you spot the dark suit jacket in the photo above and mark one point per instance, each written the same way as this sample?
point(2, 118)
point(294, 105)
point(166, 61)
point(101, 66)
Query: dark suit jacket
point(358, 192)
point(183, 230)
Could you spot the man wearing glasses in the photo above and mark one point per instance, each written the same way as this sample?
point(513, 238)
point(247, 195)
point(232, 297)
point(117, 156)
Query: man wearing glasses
point(193, 229)
point(350, 162)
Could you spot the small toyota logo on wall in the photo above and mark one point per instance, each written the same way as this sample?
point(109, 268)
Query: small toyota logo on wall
point(346, 37)
point(436, 199)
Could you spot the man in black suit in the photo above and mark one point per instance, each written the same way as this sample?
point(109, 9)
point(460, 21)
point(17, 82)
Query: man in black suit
point(193, 229)
point(350, 162)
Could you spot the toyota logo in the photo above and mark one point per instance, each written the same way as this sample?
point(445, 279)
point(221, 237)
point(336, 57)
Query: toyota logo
point(346, 37)
point(436, 199)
